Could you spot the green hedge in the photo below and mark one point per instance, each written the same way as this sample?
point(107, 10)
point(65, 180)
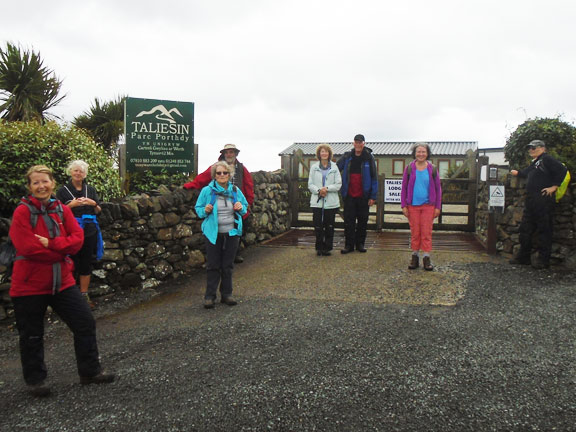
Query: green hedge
point(23, 144)
point(559, 136)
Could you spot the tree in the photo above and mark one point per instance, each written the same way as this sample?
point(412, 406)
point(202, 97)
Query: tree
point(104, 121)
point(27, 88)
point(559, 136)
point(23, 144)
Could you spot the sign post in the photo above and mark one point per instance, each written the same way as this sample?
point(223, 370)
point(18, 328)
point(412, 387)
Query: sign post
point(496, 198)
point(159, 135)
point(392, 190)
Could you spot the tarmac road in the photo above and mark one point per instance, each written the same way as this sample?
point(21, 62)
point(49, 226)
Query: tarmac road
point(340, 343)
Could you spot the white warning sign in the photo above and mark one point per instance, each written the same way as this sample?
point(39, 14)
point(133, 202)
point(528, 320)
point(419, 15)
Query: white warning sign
point(496, 196)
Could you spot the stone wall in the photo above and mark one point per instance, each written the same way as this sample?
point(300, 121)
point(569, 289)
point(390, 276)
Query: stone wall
point(508, 222)
point(154, 238)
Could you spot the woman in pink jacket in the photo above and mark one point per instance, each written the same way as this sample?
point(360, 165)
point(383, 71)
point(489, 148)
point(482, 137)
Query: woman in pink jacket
point(421, 202)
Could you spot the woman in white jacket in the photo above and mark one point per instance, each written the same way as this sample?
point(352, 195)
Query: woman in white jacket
point(324, 183)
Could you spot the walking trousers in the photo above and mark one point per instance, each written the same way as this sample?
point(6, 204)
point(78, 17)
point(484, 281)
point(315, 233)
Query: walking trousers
point(538, 217)
point(356, 211)
point(219, 265)
point(324, 228)
point(75, 312)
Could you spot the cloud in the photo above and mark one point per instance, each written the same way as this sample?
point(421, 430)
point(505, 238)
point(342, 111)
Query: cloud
point(266, 74)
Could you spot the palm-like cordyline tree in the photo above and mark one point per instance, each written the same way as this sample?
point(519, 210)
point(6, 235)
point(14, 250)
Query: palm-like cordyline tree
point(27, 88)
point(104, 121)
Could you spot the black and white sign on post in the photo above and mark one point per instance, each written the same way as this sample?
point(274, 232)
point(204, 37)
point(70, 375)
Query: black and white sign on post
point(392, 190)
point(497, 197)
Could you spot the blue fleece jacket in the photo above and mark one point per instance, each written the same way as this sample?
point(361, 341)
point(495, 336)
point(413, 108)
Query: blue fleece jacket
point(369, 173)
point(210, 224)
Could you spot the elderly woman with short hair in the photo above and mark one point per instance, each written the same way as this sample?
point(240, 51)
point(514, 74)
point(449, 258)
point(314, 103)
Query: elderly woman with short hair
point(84, 202)
point(221, 205)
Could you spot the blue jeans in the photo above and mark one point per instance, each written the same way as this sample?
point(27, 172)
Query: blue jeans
point(219, 265)
point(75, 312)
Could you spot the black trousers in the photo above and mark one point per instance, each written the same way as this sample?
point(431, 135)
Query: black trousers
point(75, 312)
point(538, 217)
point(356, 212)
point(220, 264)
point(246, 225)
point(83, 259)
point(323, 220)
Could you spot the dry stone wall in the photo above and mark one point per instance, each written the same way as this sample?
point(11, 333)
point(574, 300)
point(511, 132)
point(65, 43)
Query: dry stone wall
point(508, 222)
point(154, 238)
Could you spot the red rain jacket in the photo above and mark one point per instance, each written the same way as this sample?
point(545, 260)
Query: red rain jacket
point(33, 274)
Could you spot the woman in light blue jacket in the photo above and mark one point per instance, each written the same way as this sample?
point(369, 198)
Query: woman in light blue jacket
point(221, 205)
point(324, 183)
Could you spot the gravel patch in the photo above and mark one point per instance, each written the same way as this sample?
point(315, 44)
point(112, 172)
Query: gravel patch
point(360, 345)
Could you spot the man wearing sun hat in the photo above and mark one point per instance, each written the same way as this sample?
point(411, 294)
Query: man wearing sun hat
point(543, 176)
point(242, 179)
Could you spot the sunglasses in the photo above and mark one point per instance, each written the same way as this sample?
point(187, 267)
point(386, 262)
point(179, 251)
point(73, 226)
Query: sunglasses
point(531, 147)
point(222, 173)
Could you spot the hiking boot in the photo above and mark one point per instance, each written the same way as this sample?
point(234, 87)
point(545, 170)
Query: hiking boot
point(540, 264)
point(209, 304)
point(346, 250)
point(326, 253)
point(228, 301)
point(101, 378)
point(414, 262)
point(427, 264)
point(238, 259)
point(38, 390)
point(360, 248)
point(519, 261)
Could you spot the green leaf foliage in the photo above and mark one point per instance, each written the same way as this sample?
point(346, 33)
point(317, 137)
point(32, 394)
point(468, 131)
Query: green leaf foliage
point(24, 144)
point(27, 88)
point(559, 136)
point(145, 181)
point(104, 121)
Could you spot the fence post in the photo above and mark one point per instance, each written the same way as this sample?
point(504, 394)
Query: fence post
point(380, 203)
point(293, 193)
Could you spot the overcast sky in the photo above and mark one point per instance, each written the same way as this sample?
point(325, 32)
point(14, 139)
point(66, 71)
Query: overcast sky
point(264, 74)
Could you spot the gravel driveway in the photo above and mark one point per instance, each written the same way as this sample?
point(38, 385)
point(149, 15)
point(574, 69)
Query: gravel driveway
point(341, 343)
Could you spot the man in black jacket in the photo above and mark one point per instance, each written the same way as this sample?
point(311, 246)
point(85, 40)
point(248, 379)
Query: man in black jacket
point(543, 176)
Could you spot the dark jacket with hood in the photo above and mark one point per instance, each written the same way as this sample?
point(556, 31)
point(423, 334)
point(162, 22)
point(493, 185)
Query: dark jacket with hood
point(368, 171)
point(543, 172)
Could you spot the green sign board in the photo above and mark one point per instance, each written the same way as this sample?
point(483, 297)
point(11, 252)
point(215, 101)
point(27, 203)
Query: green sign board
point(159, 135)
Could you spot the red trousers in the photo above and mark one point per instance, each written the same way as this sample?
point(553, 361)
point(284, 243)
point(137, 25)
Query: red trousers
point(421, 219)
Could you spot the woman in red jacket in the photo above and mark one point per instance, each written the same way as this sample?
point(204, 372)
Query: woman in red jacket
point(45, 233)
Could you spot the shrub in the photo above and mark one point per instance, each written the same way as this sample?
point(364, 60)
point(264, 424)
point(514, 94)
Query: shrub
point(23, 144)
point(559, 136)
point(145, 181)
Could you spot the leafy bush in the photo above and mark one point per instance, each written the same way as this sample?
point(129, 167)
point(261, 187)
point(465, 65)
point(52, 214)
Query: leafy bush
point(145, 181)
point(23, 144)
point(559, 136)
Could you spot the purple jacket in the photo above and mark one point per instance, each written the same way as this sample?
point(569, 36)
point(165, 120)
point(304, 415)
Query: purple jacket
point(435, 191)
